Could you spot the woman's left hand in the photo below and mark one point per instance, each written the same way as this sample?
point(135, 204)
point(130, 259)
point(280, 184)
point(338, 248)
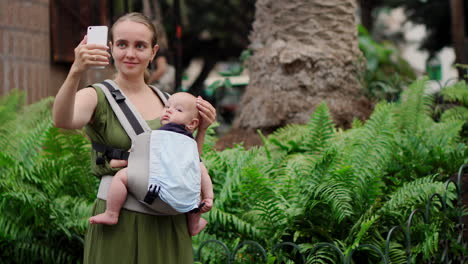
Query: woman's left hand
point(207, 205)
point(207, 112)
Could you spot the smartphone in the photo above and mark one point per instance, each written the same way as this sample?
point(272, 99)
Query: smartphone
point(97, 35)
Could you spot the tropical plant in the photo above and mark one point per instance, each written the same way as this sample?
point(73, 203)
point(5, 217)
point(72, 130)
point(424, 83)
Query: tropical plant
point(312, 183)
point(387, 73)
point(453, 104)
point(46, 189)
point(307, 184)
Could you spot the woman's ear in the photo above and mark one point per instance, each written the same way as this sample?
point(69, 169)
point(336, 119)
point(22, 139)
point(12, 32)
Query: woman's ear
point(155, 50)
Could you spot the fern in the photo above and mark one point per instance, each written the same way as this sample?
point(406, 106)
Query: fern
point(412, 195)
point(320, 130)
point(46, 188)
point(230, 222)
point(457, 92)
point(319, 256)
point(337, 196)
point(287, 138)
point(368, 152)
point(415, 109)
point(10, 104)
point(455, 113)
point(268, 208)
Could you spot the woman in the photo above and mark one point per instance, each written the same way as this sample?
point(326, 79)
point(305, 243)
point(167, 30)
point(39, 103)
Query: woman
point(138, 237)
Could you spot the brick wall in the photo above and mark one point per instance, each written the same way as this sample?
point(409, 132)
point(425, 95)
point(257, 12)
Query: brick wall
point(25, 51)
point(25, 47)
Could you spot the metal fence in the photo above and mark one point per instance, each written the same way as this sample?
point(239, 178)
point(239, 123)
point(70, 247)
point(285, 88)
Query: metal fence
point(405, 229)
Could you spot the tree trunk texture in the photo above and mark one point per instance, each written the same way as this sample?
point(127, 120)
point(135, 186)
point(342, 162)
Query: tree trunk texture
point(304, 52)
point(458, 34)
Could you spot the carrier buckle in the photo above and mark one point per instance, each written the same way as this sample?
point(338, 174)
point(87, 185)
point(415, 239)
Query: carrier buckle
point(118, 96)
point(152, 194)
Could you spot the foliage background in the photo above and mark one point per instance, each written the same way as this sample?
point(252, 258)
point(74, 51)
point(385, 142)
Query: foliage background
point(307, 184)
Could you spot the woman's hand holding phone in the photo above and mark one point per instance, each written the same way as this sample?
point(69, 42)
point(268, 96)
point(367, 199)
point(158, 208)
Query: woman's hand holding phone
point(91, 52)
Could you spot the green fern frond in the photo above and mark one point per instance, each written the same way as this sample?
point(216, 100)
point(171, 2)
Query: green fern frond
point(337, 195)
point(10, 105)
point(322, 255)
point(266, 207)
point(35, 251)
point(443, 134)
point(357, 223)
point(362, 233)
point(411, 195)
point(357, 123)
point(233, 223)
point(430, 243)
point(397, 253)
point(23, 136)
point(288, 138)
point(414, 112)
point(371, 145)
point(457, 92)
point(455, 113)
point(368, 152)
point(320, 130)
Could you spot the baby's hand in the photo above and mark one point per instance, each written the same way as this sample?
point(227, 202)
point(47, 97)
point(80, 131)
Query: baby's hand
point(207, 205)
point(115, 163)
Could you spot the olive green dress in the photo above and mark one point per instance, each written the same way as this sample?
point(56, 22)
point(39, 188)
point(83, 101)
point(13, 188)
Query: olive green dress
point(137, 238)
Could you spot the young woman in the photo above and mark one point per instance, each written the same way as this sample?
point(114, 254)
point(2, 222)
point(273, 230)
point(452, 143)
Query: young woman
point(139, 237)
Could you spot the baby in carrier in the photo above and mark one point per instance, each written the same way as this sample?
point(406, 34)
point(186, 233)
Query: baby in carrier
point(180, 116)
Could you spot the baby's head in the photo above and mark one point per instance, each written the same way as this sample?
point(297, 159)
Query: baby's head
point(181, 108)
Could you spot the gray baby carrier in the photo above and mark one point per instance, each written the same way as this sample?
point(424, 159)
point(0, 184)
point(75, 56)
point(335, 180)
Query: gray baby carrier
point(163, 166)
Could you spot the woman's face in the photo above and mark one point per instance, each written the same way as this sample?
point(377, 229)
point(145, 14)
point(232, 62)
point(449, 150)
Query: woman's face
point(131, 49)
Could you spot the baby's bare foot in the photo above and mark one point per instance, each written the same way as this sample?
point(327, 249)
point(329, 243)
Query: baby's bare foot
point(196, 228)
point(104, 218)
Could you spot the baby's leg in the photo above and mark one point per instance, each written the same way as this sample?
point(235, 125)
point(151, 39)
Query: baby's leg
point(195, 223)
point(115, 200)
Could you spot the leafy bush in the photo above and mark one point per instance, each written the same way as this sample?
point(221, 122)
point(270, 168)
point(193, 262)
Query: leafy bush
point(387, 73)
point(46, 188)
point(453, 104)
point(313, 183)
point(306, 184)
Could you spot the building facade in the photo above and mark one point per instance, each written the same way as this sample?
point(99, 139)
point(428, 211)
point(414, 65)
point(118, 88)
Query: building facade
point(37, 39)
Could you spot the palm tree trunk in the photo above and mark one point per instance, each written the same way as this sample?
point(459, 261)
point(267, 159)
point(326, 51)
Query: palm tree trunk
point(458, 34)
point(305, 52)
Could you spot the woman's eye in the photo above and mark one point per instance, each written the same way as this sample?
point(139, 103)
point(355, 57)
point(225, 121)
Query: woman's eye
point(140, 46)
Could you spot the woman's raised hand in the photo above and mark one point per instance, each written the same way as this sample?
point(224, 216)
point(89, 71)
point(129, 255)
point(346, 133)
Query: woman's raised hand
point(207, 112)
point(87, 55)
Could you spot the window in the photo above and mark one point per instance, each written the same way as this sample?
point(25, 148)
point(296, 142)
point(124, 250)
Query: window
point(69, 20)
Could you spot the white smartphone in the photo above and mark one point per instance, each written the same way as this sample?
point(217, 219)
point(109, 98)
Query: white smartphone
point(97, 35)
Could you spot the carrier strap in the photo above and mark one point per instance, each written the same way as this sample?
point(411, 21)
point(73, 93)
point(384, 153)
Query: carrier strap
point(131, 121)
point(121, 102)
point(109, 153)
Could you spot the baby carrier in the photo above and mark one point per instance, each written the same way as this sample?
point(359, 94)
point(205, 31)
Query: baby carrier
point(163, 166)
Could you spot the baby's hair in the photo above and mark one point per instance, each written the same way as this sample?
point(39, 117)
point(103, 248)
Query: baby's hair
point(197, 115)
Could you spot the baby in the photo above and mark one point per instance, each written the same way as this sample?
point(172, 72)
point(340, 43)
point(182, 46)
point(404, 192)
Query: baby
point(180, 116)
